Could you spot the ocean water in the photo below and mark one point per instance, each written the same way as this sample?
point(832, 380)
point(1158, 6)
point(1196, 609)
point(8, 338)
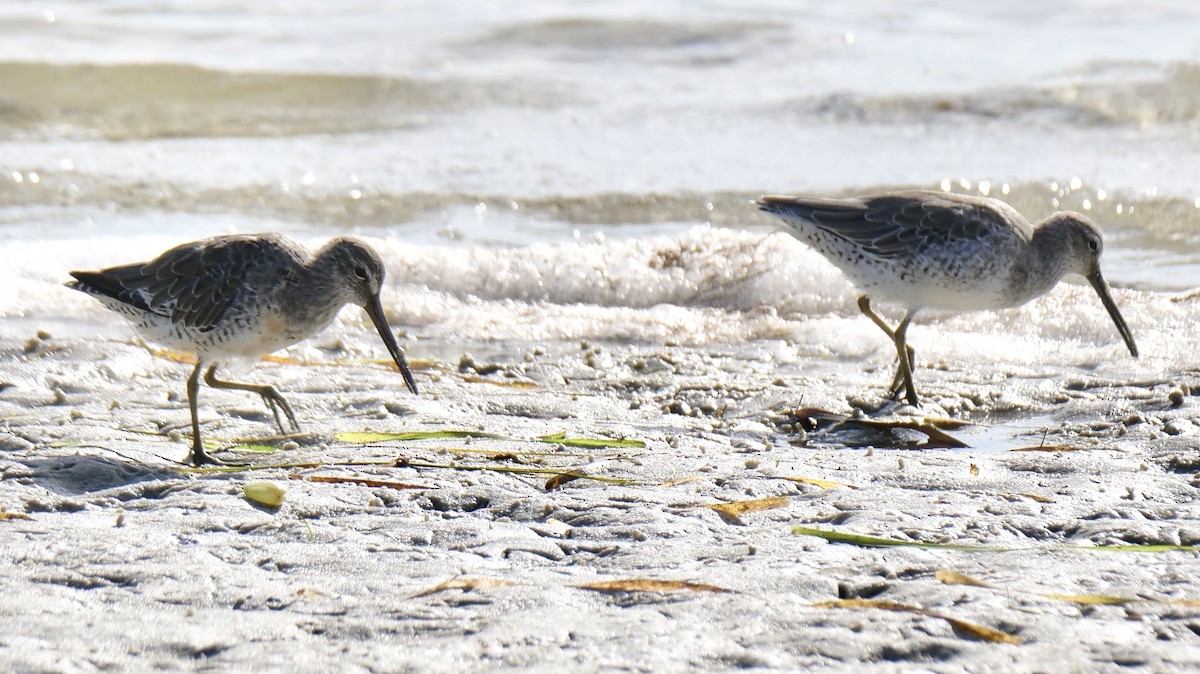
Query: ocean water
point(540, 171)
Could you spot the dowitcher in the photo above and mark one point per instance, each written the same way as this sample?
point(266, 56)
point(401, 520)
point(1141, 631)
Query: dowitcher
point(945, 251)
point(243, 296)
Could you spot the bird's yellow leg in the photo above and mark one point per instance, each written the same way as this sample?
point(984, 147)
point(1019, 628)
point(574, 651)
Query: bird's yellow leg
point(904, 353)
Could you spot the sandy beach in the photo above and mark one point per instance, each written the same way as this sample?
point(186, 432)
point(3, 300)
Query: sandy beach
point(465, 553)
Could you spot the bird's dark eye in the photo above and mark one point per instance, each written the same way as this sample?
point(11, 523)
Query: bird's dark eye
point(361, 272)
point(1094, 245)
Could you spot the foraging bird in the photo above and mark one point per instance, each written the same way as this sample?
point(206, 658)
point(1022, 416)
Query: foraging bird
point(939, 250)
point(243, 296)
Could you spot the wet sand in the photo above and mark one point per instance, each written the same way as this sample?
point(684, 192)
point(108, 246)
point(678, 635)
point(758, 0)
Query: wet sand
point(455, 554)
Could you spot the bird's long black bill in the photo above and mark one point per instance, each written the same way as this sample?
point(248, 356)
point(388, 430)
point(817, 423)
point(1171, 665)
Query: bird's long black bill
point(1101, 287)
point(375, 310)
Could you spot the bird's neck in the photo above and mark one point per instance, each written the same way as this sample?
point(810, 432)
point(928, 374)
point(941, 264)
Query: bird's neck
point(1046, 258)
point(322, 301)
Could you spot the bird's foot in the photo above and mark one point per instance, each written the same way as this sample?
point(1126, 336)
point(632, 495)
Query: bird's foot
point(276, 402)
point(198, 457)
point(206, 459)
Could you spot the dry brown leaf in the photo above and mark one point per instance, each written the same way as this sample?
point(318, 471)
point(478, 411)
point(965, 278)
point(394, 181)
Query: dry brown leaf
point(366, 482)
point(868, 603)
point(181, 357)
point(651, 585)
point(283, 360)
point(472, 379)
point(465, 584)
point(979, 632)
point(948, 424)
point(190, 359)
point(974, 469)
point(961, 627)
point(559, 480)
point(1092, 599)
point(818, 413)
point(263, 439)
point(176, 356)
point(955, 578)
point(1038, 498)
point(14, 516)
point(817, 482)
point(736, 508)
point(683, 480)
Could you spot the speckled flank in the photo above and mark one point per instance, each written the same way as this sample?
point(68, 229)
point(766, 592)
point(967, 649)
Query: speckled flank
point(945, 251)
point(243, 296)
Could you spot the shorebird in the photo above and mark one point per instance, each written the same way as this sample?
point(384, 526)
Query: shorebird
point(939, 250)
point(243, 296)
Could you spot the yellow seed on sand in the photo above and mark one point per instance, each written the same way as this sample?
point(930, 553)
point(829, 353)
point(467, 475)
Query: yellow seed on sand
point(264, 493)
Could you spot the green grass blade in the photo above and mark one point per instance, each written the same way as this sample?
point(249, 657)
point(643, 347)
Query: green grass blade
point(590, 443)
point(877, 542)
point(556, 438)
point(1136, 548)
point(522, 470)
point(364, 438)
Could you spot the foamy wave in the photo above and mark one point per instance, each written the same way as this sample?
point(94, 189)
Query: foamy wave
point(703, 286)
point(703, 267)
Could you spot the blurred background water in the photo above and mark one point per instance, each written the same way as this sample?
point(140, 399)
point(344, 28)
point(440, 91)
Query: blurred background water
point(541, 170)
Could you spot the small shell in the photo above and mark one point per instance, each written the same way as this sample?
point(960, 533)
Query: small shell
point(264, 493)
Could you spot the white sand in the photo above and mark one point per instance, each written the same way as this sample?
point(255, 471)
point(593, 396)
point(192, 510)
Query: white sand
point(129, 561)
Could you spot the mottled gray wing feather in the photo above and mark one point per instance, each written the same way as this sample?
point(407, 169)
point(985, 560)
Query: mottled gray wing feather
point(196, 283)
point(894, 225)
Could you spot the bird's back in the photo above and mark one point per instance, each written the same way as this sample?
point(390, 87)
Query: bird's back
point(193, 296)
point(918, 248)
